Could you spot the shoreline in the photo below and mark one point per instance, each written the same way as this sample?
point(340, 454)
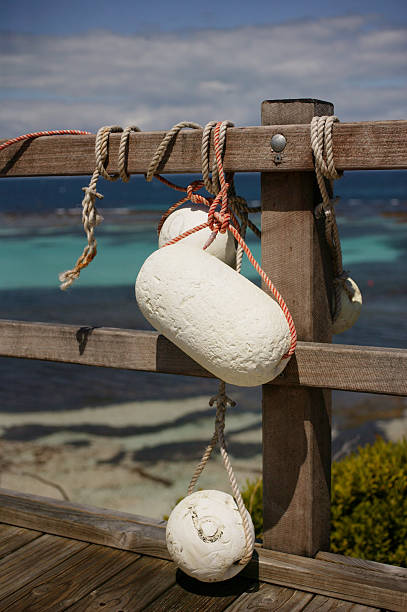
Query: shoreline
point(139, 456)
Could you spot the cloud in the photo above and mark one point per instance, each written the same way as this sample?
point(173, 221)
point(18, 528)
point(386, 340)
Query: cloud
point(155, 80)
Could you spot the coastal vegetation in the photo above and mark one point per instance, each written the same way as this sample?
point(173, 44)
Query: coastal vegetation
point(368, 503)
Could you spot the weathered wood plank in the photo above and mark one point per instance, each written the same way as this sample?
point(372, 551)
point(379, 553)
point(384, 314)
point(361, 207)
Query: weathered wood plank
point(190, 594)
point(325, 604)
point(330, 579)
point(271, 597)
point(29, 562)
point(117, 530)
point(351, 368)
point(296, 421)
point(373, 566)
point(86, 523)
point(62, 585)
point(357, 146)
point(131, 589)
point(12, 538)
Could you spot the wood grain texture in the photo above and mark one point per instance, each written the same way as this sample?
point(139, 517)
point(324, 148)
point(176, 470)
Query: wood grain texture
point(296, 422)
point(12, 538)
point(29, 562)
point(68, 581)
point(112, 528)
point(320, 603)
point(373, 566)
point(132, 589)
point(270, 597)
point(86, 523)
point(330, 579)
point(357, 146)
point(190, 594)
point(335, 366)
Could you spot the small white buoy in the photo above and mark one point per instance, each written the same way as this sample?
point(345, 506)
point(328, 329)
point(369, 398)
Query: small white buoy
point(215, 315)
point(183, 219)
point(205, 536)
point(351, 305)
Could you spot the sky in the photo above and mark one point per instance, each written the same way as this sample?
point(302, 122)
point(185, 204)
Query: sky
point(89, 63)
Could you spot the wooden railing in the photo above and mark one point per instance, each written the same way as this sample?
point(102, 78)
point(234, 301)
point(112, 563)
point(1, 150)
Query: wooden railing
point(296, 406)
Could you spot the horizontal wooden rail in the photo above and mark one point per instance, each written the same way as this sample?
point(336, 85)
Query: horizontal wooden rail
point(351, 368)
point(362, 581)
point(357, 146)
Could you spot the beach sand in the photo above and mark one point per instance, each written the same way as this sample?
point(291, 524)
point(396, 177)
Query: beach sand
point(139, 456)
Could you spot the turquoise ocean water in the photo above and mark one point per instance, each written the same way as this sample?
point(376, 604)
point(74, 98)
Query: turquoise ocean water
point(41, 235)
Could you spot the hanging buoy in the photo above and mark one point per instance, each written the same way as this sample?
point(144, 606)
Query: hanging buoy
point(188, 217)
point(351, 305)
point(215, 315)
point(205, 536)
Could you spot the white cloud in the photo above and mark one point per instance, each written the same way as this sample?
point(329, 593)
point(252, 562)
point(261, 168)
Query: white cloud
point(155, 80)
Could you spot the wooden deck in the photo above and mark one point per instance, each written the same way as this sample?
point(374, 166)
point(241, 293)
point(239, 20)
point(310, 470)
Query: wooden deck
point(46, 572)
point(57, 555)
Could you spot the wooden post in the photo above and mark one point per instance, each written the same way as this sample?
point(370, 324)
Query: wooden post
point(296, 422)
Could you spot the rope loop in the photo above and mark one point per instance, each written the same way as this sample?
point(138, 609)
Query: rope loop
point(222, 401)
point(101, 150)
point(123, 151)
point(164, 145)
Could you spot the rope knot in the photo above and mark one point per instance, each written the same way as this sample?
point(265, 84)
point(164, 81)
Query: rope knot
point(92, 193)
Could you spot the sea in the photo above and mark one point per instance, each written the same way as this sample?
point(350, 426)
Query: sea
point(41, 235)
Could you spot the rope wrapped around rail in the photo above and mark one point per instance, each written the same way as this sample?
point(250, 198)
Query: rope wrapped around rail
point(326, 173)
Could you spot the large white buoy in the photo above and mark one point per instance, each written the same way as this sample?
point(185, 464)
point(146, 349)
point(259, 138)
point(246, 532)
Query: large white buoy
point(351, 305)
point(215, 315)
point(183, 219)
point(205, 536)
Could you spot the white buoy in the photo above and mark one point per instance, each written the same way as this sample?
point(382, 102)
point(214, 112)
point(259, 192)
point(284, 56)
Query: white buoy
point(183, 219)
point(215, 315)
point(351, 305)
point(205, 536)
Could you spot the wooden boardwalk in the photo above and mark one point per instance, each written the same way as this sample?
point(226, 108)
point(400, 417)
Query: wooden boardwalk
point(46, 572)
point(57, 555)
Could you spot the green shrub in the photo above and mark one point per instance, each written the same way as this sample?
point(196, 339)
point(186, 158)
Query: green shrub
point(368, 503)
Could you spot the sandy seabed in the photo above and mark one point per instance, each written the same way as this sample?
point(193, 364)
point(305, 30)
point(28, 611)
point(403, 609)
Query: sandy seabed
point(138, 457)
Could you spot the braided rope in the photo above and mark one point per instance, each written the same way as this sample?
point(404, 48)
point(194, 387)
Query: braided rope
point(222, 401)
point(124, 150)
point(212, 185)
point(164, 144)
point(326, 173)
point(33, 135)
point(90, 215)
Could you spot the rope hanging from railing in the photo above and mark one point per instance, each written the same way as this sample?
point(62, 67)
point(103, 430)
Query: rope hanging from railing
point(326, 173)
point(90, 215)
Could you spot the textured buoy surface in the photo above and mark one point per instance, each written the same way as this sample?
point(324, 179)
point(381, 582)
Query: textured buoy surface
point(205, 536)
point(223, 247)
point(350, 307)
point(215, 315)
